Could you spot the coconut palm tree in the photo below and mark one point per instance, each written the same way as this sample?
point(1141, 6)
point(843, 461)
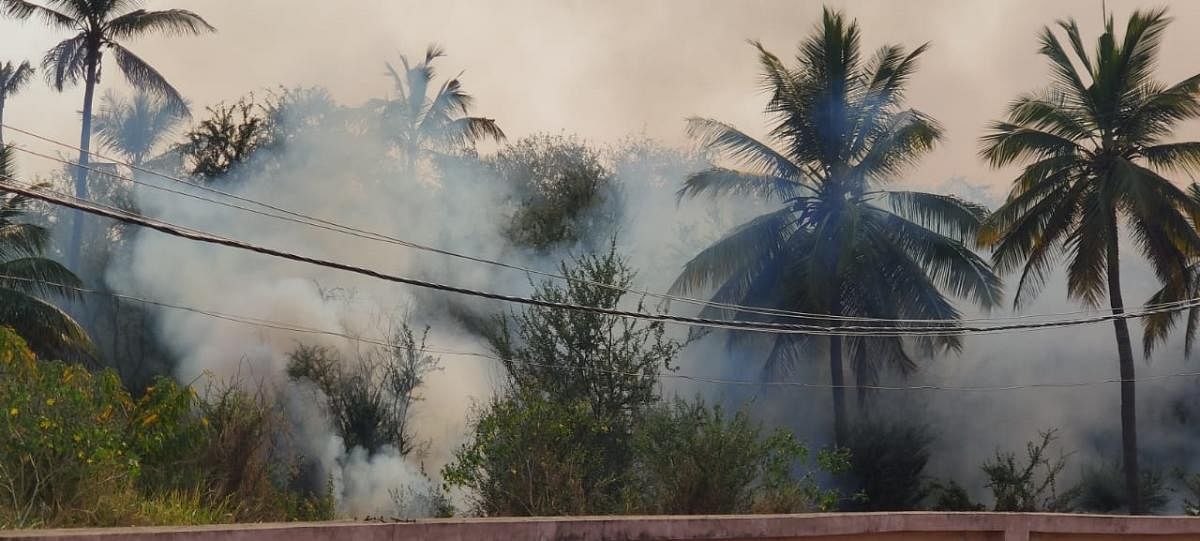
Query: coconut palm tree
point(27, 278)
point(12, 78)
point(1094, 154)
point(423, 125)
point(101, 25)
point(840, 243)
point(135, 127)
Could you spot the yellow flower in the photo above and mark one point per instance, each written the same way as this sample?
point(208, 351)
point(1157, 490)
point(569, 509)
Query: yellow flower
point(13, 412)
point(50, 401)
point(204, 421)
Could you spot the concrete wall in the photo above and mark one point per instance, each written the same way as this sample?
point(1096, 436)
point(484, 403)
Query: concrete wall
point(816, 527)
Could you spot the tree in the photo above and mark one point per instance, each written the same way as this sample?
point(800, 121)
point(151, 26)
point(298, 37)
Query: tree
point(1094, 155)
point(369, 401)
point(101, 24)
point(12, 79)
point(559, 439)
point(135, 127)
point(840, 244)
point(563, 192)
point(227, 138)
point(26, 277)
point(421, 125)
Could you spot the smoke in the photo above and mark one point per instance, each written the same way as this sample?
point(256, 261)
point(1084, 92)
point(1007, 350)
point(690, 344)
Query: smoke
point(325, 170)
point(335, 176)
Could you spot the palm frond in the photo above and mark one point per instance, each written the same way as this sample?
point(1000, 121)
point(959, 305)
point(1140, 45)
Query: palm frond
point(467, 131)
point(947, 262)
point(754, 241)
point(20, 9)
point(65, 63)
point(1050, 114)
point(22, 240)
point(168, 22)
point(51, 331)
point(1007, 143)
point(1064, 71)
point(736, 145)
point(945, 214)
point(14, 77)
point(719, 181)
point(39, 276)
point(900, 142)
point(1087, 248)
point(144, 77)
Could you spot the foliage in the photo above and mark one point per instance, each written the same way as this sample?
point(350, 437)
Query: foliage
point(13, 77)
point(577, 385)
point(1031, 484)
point(1191, 501)
point(1101, 490)
point(580, 430)
point(81, 451)
point(532, 456)
point(694, 459)
point(137, 126)
point(887, 464)
point(422, 124)
point(101, 27)
point(227, 138)
point(369, 400)
point(951, 496)
point(27, 277)
point(608, 362)
point(1094, 148)
point(563, 193)
point(64, 448)
point(839, 243)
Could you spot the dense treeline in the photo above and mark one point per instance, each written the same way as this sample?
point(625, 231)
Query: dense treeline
point(580, 421)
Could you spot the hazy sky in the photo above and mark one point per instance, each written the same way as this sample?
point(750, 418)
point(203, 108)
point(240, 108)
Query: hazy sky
point(602, 69)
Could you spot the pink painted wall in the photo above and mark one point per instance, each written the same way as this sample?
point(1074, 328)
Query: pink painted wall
point(916, 526)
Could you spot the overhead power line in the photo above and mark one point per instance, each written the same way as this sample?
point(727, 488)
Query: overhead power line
point(751, 326)
point(296, 328)
point(311, 221)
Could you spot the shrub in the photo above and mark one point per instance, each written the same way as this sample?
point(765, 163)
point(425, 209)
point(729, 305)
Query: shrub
point(1032, 484)
point(80, 451)
point(951, 496)
point(887, 464)
point(530, 456)
point(63, 453)
point(694, 459)
point(369, 400)
point(563, 192)
point(1102, 489)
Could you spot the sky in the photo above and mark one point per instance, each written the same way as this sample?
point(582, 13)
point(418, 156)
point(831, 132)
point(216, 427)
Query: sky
point(603, 70)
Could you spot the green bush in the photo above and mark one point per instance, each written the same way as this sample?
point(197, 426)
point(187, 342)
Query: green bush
point(1029, 484)
point(64, 451)
point(80, 451)
point(887, 465)
point(532, 456)
point(694, 459)
point(1101, 489)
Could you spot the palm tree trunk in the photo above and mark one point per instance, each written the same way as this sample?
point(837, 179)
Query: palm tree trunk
point(85, 144)
point(837, 380)
point(1, 119)
point(1129, 446)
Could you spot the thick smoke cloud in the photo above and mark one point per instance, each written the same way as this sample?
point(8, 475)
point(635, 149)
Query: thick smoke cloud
point(658, 72)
